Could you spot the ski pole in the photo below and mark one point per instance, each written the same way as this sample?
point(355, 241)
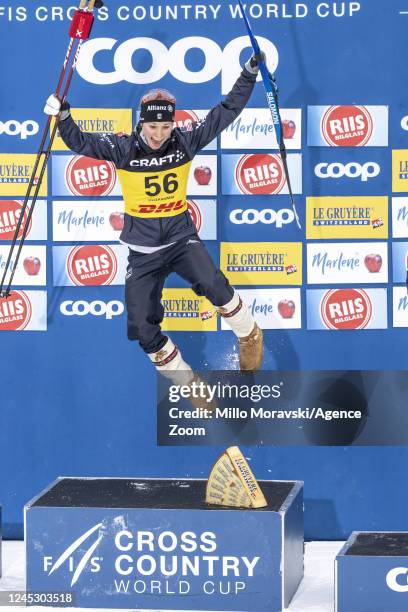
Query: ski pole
point(80, 30)
point(272, 98)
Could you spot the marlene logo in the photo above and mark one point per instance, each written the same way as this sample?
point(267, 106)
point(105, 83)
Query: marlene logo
point(10, 212)
point(90, 177)
point(346, 309)
point(15, 312)
point(92, 265)
point(86, 558)
point(195, 213)
point(347, 126)
point(260, 174)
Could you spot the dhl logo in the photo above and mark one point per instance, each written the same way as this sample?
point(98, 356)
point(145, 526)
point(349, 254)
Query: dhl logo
point(158, 209)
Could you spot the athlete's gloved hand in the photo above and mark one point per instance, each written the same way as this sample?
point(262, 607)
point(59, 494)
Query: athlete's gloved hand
point(252, 64)
point(53, 107)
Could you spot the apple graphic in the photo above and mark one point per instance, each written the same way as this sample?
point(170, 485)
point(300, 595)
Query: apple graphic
point(202, 175)
point(373, 262)
point(117, 220)
point(32, 265)
point(288, 128)
point(286, 309)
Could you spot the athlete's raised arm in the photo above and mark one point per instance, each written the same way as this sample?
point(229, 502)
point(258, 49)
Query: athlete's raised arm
point(220, 117)
point(99, 146)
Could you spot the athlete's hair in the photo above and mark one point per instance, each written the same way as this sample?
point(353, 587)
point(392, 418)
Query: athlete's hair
point(158, 94)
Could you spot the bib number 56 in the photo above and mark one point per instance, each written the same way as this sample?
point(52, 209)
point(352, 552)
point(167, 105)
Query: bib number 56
point(153, 186)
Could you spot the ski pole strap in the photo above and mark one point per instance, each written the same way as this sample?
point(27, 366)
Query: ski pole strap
point(81, 24)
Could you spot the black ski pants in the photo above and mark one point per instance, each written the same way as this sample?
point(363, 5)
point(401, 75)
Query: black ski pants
point(146, 274)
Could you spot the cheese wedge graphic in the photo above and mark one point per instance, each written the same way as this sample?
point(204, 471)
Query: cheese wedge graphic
point(232, 483)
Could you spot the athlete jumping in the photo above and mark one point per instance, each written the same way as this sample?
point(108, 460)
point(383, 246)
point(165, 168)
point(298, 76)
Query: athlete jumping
point(153, 165)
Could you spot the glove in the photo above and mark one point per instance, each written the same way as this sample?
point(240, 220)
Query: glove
point(53, 107)
point(252, 64)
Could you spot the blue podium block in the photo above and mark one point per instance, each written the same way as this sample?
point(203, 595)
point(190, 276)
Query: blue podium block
point(154, 544)
point(372, 573)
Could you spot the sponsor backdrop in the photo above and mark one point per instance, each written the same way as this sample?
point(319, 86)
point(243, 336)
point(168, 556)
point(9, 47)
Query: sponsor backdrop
point(77, 397)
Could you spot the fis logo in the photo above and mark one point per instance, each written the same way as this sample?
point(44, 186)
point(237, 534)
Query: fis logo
point(77, 568)
point(166, 60)
point(14, 128)
point(352, 170)
point(98, 308)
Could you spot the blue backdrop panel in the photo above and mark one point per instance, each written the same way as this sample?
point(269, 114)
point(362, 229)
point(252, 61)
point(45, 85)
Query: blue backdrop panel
point(79, 399)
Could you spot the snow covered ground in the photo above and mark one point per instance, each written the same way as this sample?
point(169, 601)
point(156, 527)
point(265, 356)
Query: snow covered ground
point(315, 594)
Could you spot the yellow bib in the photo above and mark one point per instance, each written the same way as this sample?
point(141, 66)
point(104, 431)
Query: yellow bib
point(161, 193)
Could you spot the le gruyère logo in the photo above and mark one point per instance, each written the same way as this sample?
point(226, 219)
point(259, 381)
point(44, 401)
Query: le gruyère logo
point(260, 174)
point(92, 265)
point(347, 126)
point(10, 213)
point(90, 177)
point(195, 213)
point(15, 311)
point(346, 309)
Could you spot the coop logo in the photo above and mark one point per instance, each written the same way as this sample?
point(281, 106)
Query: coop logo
point(346, 309)
point(184, 119)
point(195, 214)
point(98, 308)
point(396, 578)
point(347, 126)
point(164, 60)
point(92, 265)
point(15, 311)
point(260, 174)
point(352, 170)
point(267, 216)
point(404, 123)
point(90, 177)
point(10, 213)
point(14, 128)
point(50, 566)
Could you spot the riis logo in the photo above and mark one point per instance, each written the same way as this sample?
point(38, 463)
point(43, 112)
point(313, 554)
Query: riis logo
point(90, 177)
point(15, 311)
point(347, 217)
point(77, 568)
point(166, 60)
point(23, 129)
point(92, 265)
point(347, 126)
point(260, 174)
point(351, 170)
point(346, 309)
point(262, 263)
point(10, 213)
point(97, 308)
point(195, 213)
point(267, 216)
point(185, 311)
